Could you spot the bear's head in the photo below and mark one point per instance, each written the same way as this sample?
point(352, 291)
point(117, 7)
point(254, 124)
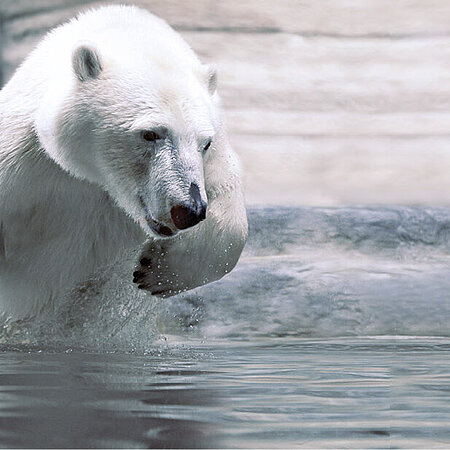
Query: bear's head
point(142, 121)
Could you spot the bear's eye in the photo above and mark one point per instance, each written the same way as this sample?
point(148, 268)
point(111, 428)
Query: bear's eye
point(208, 144)
point(150, 136)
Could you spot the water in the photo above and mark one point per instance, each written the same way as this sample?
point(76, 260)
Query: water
point(283, 393)
point(332, 332)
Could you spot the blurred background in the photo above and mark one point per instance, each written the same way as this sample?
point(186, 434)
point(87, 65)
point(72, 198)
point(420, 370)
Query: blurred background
point(328, 102)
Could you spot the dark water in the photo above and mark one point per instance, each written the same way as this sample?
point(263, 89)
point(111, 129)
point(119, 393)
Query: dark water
point(283, 393)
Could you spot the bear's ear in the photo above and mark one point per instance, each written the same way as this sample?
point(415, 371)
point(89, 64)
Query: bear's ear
point(211, 77)
point(86, 62)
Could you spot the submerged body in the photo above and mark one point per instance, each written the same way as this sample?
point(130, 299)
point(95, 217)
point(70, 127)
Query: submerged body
point(110, 135)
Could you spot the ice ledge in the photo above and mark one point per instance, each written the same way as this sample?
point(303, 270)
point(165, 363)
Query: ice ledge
point(396, 231)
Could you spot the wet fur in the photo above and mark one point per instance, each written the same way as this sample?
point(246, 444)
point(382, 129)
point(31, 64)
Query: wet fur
point(64, 213)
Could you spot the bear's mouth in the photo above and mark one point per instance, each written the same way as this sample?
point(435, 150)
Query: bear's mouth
point(159, 228)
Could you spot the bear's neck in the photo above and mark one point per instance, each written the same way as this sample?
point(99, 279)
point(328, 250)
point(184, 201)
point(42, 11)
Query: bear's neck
point(29, 177)
point(40, 203)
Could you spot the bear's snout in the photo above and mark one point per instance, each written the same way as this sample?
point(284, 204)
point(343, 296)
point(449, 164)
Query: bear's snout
point(187, 215)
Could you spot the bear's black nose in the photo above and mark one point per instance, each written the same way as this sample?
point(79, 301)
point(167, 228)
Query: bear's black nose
point(187, 215)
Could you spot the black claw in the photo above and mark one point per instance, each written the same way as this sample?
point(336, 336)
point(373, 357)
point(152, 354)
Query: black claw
point(141, 286)
point(158, 292)
point(145, 262)
point(138, 276)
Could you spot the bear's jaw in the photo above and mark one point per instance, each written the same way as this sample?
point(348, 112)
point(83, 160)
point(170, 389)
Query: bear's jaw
point(159, 228)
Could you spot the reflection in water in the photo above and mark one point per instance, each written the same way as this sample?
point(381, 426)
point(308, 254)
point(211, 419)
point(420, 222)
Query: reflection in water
point(82, 400)
point(278, 393)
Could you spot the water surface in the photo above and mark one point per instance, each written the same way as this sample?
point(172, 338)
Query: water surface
point(278, 393)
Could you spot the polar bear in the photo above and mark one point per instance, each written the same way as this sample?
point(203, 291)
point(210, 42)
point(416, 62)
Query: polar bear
point(110, 135)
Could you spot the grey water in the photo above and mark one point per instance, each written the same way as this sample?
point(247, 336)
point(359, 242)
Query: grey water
point(279, 393)
point(332, 332)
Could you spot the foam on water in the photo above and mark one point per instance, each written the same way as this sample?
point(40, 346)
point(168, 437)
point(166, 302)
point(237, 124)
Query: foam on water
point(312, 272)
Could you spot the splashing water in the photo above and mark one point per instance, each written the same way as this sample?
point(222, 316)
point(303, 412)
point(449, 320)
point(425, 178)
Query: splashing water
point(312, 272)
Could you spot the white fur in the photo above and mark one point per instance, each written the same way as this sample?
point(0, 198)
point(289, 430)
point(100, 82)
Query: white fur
point(72, 163)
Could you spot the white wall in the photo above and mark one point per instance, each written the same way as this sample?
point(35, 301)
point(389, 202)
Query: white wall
point(329, 102)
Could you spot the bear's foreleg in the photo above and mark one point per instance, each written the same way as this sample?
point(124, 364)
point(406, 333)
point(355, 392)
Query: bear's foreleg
point(199, 255)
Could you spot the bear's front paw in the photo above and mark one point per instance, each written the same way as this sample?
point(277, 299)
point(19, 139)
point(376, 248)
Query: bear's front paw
point(156, 273)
